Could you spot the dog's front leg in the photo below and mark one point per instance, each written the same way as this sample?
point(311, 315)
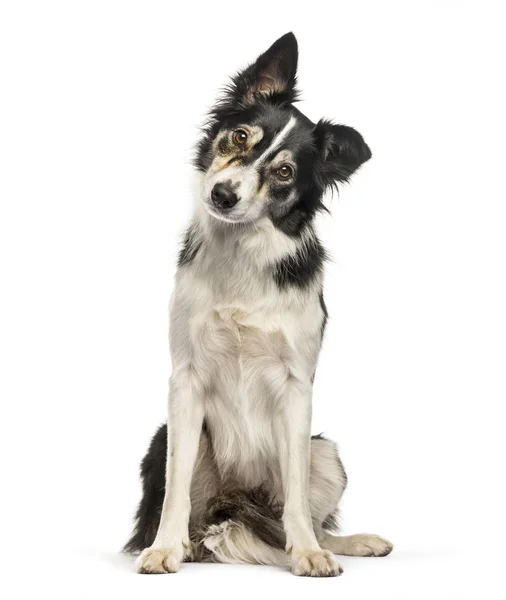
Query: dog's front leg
point(186, 413)
point(294, 440)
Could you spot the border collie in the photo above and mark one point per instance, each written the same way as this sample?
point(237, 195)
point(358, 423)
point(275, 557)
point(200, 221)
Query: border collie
point(244, 481)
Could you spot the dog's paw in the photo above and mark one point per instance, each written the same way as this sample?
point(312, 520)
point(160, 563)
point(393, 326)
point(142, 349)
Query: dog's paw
point(154, 560)
point(367, 544)
point(315, 563)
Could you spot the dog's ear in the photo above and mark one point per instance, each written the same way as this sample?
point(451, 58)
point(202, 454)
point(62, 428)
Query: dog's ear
point(272, 75)
point(342, 150)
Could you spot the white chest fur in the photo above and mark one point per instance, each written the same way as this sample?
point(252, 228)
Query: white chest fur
point(242, 339)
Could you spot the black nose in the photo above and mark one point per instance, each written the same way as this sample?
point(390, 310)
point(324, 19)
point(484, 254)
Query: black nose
point(223, 196)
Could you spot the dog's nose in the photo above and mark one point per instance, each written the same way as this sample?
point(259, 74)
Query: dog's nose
point(223, 196)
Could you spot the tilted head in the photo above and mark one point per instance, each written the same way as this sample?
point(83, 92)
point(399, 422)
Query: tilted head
point(261, 157)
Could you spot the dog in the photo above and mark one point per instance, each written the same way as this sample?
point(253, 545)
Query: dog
point(244, 481)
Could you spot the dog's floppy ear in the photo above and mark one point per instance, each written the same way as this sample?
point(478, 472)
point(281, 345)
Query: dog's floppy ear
point(273, 75)
point(342, 150)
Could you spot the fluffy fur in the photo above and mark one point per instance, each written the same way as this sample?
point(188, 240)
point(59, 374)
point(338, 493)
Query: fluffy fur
point(244, 481)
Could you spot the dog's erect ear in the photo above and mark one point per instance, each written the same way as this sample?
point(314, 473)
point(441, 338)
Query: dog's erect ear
point(342, 150)
point(273, 75)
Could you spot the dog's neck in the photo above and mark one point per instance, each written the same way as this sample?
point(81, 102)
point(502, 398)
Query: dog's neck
point(238, 262)
point(259, 244)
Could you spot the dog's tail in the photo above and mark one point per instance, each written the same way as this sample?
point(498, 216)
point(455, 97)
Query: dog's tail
point(147, 517)
point(245, 526)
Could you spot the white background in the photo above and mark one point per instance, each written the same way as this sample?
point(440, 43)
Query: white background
point(100, 105)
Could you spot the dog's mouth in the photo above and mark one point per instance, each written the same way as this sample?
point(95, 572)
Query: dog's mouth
point(220, 215)
point(226, 215)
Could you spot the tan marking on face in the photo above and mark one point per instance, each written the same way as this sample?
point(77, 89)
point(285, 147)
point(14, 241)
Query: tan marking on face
point(263, 192)
point(233, 153)
point(230, 162)
point(255, 134)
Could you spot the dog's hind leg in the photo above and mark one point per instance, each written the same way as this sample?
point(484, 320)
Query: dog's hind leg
point(361, 544)
point(327, 484)
point(148, 513)
point(246, 526)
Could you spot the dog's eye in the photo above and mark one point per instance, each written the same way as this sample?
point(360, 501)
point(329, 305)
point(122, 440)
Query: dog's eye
point(240, 137)
point(285, 172)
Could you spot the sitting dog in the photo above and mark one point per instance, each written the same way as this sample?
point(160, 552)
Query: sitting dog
point(244, 481)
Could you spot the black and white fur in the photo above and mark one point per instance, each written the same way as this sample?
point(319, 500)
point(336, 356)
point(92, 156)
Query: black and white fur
point(244, 481)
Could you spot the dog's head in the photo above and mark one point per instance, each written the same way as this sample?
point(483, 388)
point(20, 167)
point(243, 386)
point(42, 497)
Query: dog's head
point(261, 157)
